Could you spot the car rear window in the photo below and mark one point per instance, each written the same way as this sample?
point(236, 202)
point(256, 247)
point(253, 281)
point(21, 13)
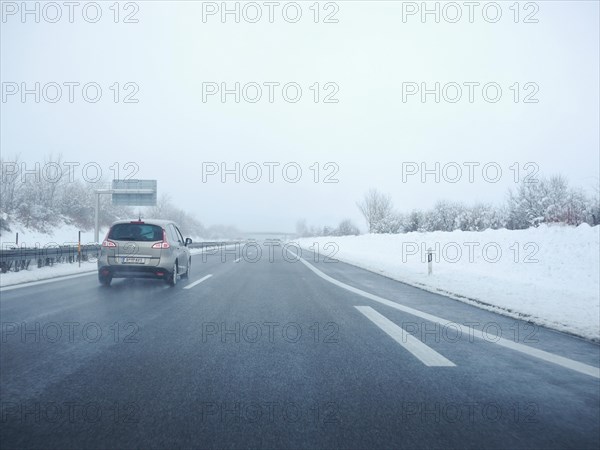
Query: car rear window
point(135, 232)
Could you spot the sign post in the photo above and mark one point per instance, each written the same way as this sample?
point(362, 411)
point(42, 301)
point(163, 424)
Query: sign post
point(126, 193)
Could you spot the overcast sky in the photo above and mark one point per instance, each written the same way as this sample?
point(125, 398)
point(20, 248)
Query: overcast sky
point(368, 134)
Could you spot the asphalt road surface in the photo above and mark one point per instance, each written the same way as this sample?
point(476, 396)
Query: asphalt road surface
point(282, 354)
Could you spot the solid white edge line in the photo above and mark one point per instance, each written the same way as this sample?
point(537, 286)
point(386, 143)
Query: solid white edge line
point(420, 350)
point(189, 286)
point(577, 366)
point(11, 287)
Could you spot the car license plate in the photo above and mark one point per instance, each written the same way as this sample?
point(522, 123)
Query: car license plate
point(130, 260)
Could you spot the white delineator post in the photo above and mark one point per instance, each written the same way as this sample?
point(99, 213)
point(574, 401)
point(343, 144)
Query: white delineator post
point(429, 260)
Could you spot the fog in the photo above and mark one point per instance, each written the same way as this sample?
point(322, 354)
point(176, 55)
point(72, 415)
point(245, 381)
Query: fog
point(367, 128)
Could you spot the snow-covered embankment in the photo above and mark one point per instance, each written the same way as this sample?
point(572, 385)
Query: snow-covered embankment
point(548, 275)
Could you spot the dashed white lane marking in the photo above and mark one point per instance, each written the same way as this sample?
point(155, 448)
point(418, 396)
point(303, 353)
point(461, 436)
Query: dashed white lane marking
point(427, 355)
point(195, 283)
point(49, 280)
point(536, 353)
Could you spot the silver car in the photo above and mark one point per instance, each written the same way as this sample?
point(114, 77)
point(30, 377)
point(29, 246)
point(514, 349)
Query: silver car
point(144, 249)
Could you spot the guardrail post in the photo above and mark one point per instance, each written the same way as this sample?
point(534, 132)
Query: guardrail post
point(18, 261)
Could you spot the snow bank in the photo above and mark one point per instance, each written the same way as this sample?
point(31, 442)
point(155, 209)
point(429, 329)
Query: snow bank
point(45, 273)
point(548, 275)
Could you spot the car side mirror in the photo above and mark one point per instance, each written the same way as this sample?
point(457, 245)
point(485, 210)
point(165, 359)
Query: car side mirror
point(188, 241)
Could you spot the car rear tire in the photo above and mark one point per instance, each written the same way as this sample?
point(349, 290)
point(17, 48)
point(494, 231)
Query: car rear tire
point(105, 280)
point(187, 271)
point(172, 280)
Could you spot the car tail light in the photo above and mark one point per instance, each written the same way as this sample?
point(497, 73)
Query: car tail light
point(164, 244)
point(107, 243)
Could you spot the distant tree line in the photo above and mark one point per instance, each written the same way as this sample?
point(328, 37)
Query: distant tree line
point(547, 200)
point(345, 228)
point(45, 202)
point(189, 225)
point(45, 199)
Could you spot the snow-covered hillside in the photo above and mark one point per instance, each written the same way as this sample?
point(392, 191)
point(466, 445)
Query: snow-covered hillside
point(63, 235)
point(548, 275)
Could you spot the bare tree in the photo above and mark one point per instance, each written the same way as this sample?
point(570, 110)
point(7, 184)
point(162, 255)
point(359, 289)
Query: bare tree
point(10, 183)
point(163, 208)
point(377, 209)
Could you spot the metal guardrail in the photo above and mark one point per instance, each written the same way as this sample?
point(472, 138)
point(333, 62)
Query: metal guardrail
point(211, 244)
point(17, 259)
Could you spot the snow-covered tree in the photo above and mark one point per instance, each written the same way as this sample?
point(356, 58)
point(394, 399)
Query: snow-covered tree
point(592, 213)
point(347, 228)
point(546, 201)
point(414, 221)
point(189, 225)
point(444, 216)
point(378, 211)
